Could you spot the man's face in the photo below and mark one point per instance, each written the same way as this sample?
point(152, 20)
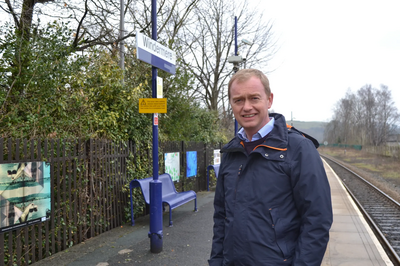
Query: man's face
point(250, 105)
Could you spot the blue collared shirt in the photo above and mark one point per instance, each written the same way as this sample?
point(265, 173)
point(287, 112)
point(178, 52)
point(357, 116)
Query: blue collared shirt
point(260, 134)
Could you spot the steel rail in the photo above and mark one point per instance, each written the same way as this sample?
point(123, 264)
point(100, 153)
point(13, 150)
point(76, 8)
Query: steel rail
point(392, 253)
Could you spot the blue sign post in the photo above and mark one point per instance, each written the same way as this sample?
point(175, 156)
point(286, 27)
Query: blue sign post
point(156, 230)
point(236, 53)
point(149, 51)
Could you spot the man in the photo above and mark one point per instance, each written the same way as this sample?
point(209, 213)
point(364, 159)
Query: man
point(272, 200)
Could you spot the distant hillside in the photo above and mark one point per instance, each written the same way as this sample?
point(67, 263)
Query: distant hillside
point(314, 129)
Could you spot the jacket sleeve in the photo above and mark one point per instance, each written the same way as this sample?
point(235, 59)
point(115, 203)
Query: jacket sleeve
point(216, 258)
point(312, 196)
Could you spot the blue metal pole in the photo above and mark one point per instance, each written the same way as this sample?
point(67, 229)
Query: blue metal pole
point(156, 230)
point(236, 53)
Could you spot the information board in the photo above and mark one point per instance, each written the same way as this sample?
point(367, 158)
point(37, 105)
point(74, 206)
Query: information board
point(152, 105)
point(25, 194)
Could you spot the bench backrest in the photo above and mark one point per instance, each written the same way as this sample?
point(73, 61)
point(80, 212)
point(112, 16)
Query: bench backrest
point(144, 185)
point(168, 186)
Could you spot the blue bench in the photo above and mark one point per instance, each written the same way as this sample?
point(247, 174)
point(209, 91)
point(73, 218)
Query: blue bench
point(169, 194)
point(214, 167)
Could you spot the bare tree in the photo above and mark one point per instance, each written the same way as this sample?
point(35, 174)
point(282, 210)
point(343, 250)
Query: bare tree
point(22, 14)
point(346, 111)
point(96, 22)
point(359, 130)
point(172, 15)
point(367, 117)
point(366, 96)
point(387, 114)
point(343, 119)
point(200, 31)
point(207, 44)
point(332, 132)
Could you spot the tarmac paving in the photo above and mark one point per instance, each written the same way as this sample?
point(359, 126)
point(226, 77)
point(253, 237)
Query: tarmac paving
point(187, 242)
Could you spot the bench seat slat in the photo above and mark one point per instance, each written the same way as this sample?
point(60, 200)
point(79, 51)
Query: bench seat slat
point(176, 200)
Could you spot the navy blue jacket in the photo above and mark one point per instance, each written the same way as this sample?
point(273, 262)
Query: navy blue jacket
point(273, 206)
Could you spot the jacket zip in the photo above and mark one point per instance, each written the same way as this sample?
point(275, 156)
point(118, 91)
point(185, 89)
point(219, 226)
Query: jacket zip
point(237, 181)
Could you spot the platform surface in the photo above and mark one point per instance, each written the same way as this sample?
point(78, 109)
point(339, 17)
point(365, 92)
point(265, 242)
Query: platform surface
point(352, 242)
point(188, 242)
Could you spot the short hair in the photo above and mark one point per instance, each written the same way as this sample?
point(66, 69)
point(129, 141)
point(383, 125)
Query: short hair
point(245, 74)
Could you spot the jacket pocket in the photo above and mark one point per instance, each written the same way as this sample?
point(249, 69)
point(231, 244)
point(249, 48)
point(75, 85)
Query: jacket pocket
point(277, 226)
point(228, 234)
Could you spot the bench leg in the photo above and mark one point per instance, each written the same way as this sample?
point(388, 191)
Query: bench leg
point(132, 220)
point(195, 204)
point(170, 216)
point(208, 180)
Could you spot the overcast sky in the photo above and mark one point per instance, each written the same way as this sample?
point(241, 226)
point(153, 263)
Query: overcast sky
point(327, 47)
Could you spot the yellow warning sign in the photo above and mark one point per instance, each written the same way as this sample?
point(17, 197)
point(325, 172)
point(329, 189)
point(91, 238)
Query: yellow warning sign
point(152, 105)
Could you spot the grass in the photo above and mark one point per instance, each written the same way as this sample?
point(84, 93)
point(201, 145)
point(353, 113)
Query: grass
point(367, 167)
point(377, 166)
point(391, 175)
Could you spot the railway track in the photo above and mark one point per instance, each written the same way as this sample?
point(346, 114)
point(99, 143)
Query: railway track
point(379, 209)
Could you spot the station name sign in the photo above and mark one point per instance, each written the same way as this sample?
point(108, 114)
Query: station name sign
point(153, 53)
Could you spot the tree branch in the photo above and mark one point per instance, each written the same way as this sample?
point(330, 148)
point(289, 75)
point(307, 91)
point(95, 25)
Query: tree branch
point(11, 9)
point(43, 1)
point(97, 41)
point(77, 37)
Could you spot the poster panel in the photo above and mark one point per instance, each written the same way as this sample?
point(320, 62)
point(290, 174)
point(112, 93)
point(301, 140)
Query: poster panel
point(172, 165)
point(25, 194)
point(191, 163)
point(217, 157)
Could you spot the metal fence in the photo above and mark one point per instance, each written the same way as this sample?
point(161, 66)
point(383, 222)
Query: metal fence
point(89, 190)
